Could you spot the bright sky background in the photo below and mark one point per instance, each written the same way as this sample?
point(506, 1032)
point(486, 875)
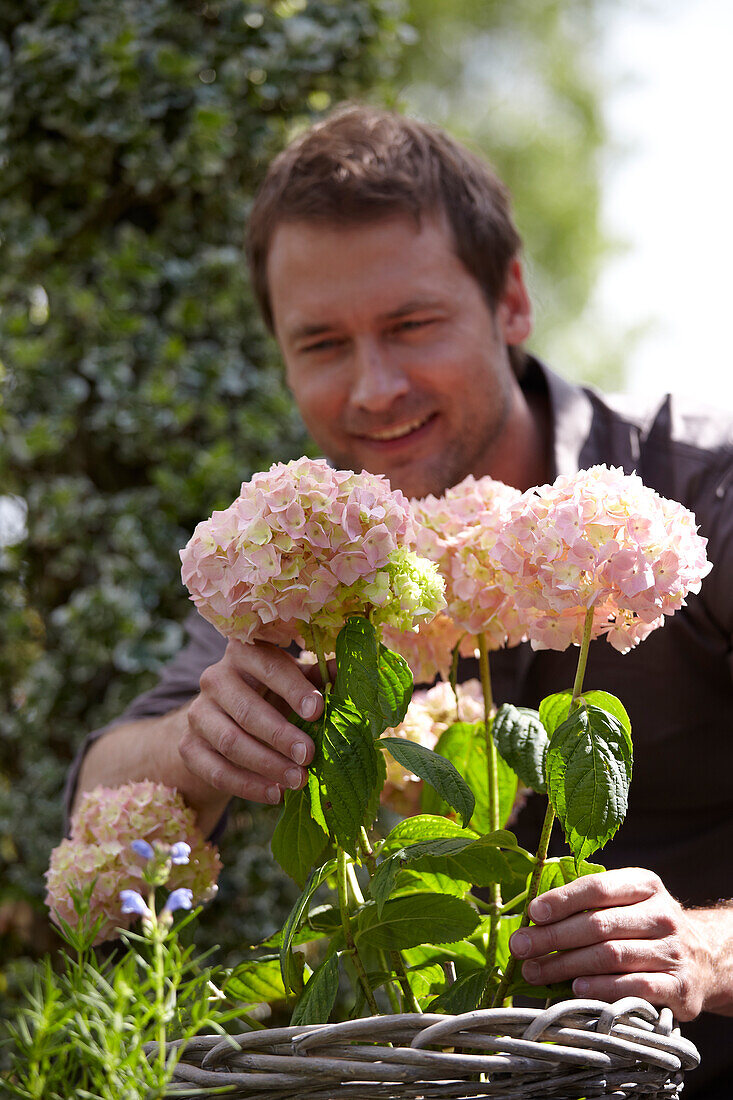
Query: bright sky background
point(669, 193)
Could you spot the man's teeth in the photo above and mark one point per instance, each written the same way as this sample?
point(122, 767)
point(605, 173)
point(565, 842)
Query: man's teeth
point(396, 433)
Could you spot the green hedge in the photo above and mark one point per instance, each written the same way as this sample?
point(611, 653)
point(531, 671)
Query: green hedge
point(138, 387)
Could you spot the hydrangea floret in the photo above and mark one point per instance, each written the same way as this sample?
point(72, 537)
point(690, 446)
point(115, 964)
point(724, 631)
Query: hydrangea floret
point(598, 539)
point(303, 547)
point(459, 531)
point(120, 837)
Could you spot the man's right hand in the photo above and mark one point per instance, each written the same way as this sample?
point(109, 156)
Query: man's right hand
point(238, 740)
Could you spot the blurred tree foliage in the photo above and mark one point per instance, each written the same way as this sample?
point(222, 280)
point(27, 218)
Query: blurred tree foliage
point(137, 388)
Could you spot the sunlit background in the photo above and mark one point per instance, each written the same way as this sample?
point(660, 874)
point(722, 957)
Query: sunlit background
point(668, 193)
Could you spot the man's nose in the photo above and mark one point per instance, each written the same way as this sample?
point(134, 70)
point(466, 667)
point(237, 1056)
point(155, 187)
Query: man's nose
point(378, 379)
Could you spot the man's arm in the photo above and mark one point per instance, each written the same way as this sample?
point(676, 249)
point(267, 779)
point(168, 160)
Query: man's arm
point(232, 739)
point(622, 934)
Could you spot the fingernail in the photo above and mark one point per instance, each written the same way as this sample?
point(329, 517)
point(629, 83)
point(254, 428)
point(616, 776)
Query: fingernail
point(293, 777)
point(299, 752)
point(309, 706)
point(539, 910)
point(520, 944)
point(581, 986)
point(273, 794)
point(531, 971)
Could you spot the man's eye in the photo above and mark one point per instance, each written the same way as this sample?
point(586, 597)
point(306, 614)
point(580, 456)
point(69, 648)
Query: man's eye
point(408, 326)
point(322, 345)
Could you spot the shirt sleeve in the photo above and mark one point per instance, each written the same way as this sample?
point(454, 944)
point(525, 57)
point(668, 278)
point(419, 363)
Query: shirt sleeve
point(714, 514)
point(179, 682)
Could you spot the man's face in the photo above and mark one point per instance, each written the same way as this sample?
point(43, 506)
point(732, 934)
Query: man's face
point(396, 361)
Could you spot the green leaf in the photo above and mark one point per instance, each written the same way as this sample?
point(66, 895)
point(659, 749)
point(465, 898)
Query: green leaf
point(395, 687)
point(356, 661)
point(257, 981)
point(588, 775)
point(464, 745)
point(554, 709)
point(416, 882)
point(522, 741)
point(415, 919)
point(463, 995)
point(423, 827)
point(315, 1004)
point(348, 771)
point(434, 769)
point(465, 955)
point(298, 840)
point(493, 858)
point(295, 918)
point(376, 681)
point(560, 870)
point(610, 703)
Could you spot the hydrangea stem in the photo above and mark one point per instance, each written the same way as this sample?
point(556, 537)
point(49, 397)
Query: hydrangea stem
point(550, 814)
point(322, 663)
point(342, 879)
point(492, 768)
point(410, 1002)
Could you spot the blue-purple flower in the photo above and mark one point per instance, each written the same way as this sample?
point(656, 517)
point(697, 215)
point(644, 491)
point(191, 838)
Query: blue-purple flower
point(132, 902)
point(180, 851)
point(179, 899)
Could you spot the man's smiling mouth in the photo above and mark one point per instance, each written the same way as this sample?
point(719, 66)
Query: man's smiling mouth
point(398, 431)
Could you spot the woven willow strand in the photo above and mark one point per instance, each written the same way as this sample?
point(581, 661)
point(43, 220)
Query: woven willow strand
point(578, 1048)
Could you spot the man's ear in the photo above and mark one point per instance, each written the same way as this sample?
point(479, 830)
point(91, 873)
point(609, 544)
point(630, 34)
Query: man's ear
point(514, 309)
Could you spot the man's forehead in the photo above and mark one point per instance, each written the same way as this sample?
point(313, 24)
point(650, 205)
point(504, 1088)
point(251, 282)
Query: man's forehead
point(316, 271)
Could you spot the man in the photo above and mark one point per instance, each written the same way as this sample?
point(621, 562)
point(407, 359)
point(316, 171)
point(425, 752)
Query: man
point(386, 264)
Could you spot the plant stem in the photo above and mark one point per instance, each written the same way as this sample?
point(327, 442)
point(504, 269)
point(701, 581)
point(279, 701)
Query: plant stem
point(410, 1000)
point(371, 866)
point(492, 768)
point(351, 948)
point(367, 851)
point(322, 663)
point(550, 814)
point(582, 658)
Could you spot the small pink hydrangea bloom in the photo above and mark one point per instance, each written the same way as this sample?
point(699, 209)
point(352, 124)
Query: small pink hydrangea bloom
point(600, 539)
point(102, 830)
point(430, 712)
point(306, 546)
point(429, 649)
point(458, 531)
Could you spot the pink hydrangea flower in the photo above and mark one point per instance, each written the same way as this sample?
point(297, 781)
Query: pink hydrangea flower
point(600, 539)
point(458, 531)
point(306, 546)
point(429, 649)
point(107, 821)
point(430, 712)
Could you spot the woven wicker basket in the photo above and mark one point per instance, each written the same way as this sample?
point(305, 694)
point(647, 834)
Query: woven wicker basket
point(578, 1048)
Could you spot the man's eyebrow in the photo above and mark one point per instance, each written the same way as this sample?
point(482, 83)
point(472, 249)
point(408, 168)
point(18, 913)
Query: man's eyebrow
point(308, 331)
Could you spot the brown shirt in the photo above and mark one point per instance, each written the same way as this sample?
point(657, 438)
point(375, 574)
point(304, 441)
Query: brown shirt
point(677, 686)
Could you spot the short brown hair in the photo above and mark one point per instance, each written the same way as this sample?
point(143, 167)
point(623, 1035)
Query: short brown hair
point(361, 163)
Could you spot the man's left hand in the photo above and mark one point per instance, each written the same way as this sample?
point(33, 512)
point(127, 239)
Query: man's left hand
point(620, 934)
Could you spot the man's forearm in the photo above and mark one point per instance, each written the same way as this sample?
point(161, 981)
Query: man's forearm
point(148, 749)
point(714, 928)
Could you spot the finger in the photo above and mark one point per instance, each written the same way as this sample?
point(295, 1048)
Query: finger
point(613, 957)
point(641, 921)
point(231, 695)
point(279, 672)
point(218, 773)
point(657, 988)
point(239, 747)
point(625, 886)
